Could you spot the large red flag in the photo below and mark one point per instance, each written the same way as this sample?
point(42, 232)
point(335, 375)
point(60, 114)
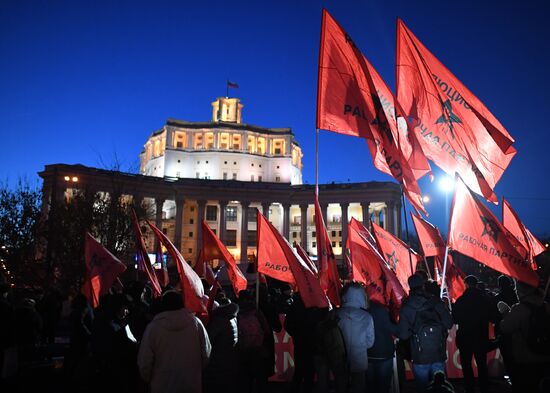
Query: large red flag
point(213, 248)
point(353, 99)
point(456, 131)
point(191, 285)
point(369, 267)
point(474, 231)
point(102, 269)
point(271, 259)
point(328, 272)
point(144, 264)
point(276, 248)
point(511, 221)
point(429, 237)
point(397, 254)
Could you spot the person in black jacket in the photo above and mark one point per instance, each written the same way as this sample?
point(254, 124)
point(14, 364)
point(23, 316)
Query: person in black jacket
point(426, 321)
point(473, 312)
point(380, 369)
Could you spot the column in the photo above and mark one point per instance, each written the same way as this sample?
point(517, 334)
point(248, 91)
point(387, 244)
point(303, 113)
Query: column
point(179, 222)
point(189, 140)
point(169, 138)
point(398, 218)
point(344, 206)
point(244, 140)
point(265, 209)
point(267, 146)
point(324, 208)
point(200, 216)
point(377, 217)
point(390, 206)
point(288, 146)
point(303, 224)
point(159, 202)
point(286, 220)
point(244, 231)
point(366, 215)
point(223, 205)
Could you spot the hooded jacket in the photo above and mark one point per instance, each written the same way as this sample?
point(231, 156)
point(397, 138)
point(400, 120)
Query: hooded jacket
point(357, 328)
point(174, 350)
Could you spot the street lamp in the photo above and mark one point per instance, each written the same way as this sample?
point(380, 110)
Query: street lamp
point(426, 199)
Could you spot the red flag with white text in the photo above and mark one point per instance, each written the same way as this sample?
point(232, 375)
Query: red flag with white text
point(475, 231)
point(102, 270)
point(511, 221)
point(213, 248)
point(397, 254)
point(191, 285)
point(276, 250)
point(429, 237)
point(144, 264)
point(456, 131)
point(353, 99)
point(328, 272)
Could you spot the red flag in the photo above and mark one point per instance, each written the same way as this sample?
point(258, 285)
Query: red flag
point(144, 263)
point(397, 254)
point(353, 99)
point(303, 254)
point(369, 267)
point(511, 221)
point(213, 248)
point(191, 285)
point(456, 131)
point(328, 272)
point(474, 231)
point(429, 237)
point(272, 246)
point(102, 269)
point(199, 265)
point(271, 259)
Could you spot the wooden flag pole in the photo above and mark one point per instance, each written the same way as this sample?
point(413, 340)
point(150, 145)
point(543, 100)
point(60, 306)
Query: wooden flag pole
point(444, 271)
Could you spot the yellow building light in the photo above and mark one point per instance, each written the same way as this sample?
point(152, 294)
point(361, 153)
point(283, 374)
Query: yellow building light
point(75, 179)
point(67, 178)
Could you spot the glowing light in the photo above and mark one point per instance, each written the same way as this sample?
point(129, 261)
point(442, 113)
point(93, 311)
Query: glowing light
point(75, 179)
point(546, 245)
point(446, 184)
point(426, 198)
point(67, 178)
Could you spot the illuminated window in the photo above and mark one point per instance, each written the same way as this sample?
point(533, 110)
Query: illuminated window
point(224, 140)
point(259, 178)
point(251, 144)
point(209, 140)
point(197, 141)
point(236, 142)
point(234, 176)
point(294, 235)
point(225, 176)
point(277, 178)
point(297, 220)
point(231, 213)
point(260, 147)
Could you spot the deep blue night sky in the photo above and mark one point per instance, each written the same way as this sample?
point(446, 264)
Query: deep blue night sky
point(81, 82)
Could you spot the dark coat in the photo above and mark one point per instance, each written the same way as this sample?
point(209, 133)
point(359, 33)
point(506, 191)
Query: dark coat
point(384, 331)
point(473, 311)
point(415, 303)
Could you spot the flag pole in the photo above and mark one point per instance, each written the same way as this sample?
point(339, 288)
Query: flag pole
point(407, 229)
point(427, 267)
point(257, 285)
point(444, 271)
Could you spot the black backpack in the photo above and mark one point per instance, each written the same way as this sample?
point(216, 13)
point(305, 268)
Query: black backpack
point(429, 334)
point(538, 332)
point(329, 340)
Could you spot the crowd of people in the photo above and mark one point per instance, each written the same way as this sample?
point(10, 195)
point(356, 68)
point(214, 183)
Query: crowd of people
point(135, 343)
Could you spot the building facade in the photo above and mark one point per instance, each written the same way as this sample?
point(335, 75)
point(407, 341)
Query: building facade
point(225, 171)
